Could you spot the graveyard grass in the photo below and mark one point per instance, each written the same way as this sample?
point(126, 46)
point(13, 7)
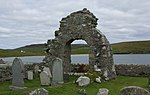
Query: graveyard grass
point(69, 88)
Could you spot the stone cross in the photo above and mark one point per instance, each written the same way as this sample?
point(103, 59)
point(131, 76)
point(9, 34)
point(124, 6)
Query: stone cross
point(30, 75)
point(44, 78)
point(134, 90)
point(57, 71)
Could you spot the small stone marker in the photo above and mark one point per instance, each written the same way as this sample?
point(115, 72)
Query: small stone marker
point(30, 75)
point(40, 91)
point(2, 61)
point(98, 80)
point(48, 71)
point(103, 91)
point(57, 71)
point(83, 81)
point(17, 74)
point(134, 90)
point(82, 91)
point(44, 77)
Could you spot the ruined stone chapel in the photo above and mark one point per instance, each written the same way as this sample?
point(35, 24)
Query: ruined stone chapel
point(81, 25)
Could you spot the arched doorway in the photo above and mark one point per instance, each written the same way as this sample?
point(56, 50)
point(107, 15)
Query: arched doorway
point(81, 25)
point(79, 52)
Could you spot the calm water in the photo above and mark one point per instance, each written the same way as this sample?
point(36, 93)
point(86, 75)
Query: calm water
point(118, 58)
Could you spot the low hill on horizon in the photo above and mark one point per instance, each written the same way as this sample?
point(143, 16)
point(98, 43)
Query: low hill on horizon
point(134, 47)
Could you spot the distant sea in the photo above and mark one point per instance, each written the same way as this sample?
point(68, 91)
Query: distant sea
point(83, 58)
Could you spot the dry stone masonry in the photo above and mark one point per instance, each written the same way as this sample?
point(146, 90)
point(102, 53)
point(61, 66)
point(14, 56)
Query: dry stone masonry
point(81, 25)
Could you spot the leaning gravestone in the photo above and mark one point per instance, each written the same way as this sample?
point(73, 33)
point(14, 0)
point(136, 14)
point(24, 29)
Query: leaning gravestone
point(2, 61)
point(44, 78)
point(48, 71)
point(57, 71)
point(17, 74)
point(30, 75)
point(134, 90)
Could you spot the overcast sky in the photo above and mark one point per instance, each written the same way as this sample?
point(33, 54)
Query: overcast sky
point(24, 22)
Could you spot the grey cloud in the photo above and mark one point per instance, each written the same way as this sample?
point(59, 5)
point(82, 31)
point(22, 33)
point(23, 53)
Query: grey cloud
point(34, 21)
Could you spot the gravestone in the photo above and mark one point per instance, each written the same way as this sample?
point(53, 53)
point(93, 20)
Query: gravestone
point(2, 61)
point(36, 69)
point(40, 91)
point(103, 91)
point(48, 71)
point(30, 75)
point(149, 82)
point(17, 74)
point(57, 71)
point(134, 90)
point(44, 78)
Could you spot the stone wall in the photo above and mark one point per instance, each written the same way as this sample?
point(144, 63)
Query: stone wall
point(132, 70)
point(81, 25)
point(121, 69)
point(6, 70)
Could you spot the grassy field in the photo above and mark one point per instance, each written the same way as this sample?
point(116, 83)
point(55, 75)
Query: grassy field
point(69, 88)
point(132, 47)
point(140, 47)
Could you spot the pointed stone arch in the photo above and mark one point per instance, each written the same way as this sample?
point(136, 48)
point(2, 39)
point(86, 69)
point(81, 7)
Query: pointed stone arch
point(82, 25)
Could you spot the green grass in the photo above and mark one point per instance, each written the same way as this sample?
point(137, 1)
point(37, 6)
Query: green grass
point(132, 47)
point(80, 50)
point(69, 88)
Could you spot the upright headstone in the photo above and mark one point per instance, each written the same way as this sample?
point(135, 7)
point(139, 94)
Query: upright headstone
point(48, 71)
point(30, 75)
point(57, 71)
point(44, 78)
point(134, 90)
point(149, 82)
point(17, 74)
point(2, 61)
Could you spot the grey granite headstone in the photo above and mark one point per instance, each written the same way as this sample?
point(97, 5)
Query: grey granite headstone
point(48, 71)
point(2, 61)
point(30, 75)
point(134, 90)
point(44, 78)
point(17, 74)
point(40, 91)
point(57, 71)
